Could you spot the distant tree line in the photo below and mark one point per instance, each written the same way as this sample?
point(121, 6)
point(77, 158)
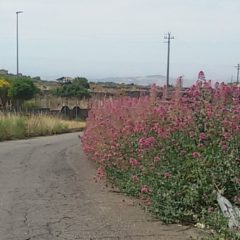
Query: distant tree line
point(15, 90)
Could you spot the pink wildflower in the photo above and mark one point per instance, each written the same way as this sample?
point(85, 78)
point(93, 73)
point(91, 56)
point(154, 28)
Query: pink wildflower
point(224, 147)
point(138, 127)
point(226, 135)
point(196, 154)
point(202, 136)
point(167, 175)
point(156, 159)
point(135, 178)
point(145, 189)
point(146, 142)
point(100, 173)
point(134, 162)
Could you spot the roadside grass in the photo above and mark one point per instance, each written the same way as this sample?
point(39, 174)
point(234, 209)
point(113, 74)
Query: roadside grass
point(17, 127)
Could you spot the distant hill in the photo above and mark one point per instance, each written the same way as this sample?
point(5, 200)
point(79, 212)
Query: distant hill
point(137, 80)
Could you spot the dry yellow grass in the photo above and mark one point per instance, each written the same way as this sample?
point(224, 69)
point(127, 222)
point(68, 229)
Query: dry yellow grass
point(14, 126)
point(74, 124)
point(50, 125)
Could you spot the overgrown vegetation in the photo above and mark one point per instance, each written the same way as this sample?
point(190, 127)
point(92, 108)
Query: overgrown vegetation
point(173, 155)
point(78, 88)
point(15, 90)
point(17, 127)
point(4, 87)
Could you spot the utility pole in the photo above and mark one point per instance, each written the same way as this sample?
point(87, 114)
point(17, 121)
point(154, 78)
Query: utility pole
point(169, 38)
point(238, 69)
point(17, 13)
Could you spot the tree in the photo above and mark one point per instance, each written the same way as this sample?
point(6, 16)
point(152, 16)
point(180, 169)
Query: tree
point(81, 81)
point(22, 89)
point(4, 87)
point(37, 78)
point(78, 88)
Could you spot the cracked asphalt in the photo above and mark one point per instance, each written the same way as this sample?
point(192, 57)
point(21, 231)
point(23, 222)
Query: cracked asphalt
point(47, 192)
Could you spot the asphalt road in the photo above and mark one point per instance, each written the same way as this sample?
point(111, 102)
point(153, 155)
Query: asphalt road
point(47, 192)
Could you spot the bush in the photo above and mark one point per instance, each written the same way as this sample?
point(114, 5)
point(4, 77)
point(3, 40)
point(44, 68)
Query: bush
point(22, 89)
point(174, 155)
point(78, 88)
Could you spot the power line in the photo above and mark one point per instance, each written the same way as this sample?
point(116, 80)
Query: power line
point(169, 38)
point(238, 69)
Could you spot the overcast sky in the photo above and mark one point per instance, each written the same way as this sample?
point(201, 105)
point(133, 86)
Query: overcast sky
point(107, 38)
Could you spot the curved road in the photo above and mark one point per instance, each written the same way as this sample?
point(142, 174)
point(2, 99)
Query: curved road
point(47, 192)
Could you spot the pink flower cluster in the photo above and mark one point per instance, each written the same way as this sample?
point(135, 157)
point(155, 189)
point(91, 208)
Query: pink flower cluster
point(146, 142)
point(145, 189)
point(196, 154)
point(118, 129)
point(134, 162)
point(167, 175)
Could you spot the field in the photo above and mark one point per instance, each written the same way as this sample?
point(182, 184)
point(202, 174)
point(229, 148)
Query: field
point(17, 127)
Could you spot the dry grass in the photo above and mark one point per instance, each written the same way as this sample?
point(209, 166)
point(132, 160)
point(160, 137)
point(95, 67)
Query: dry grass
point(74, 124)
point(16, 127)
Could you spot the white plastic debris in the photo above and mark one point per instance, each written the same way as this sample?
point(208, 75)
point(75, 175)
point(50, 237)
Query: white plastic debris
point(229, 211)
point(200, 225)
